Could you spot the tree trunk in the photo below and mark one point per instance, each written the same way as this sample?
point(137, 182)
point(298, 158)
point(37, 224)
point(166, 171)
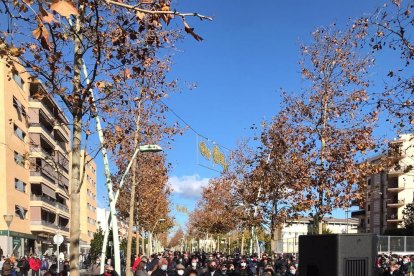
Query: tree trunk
point(132, 199)
point(137, 238)
point(131, 220)
point(143, 242)
point(242, 243)
point(77, 110)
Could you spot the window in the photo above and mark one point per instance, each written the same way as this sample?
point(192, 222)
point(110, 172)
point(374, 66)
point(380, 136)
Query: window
point(367, 221)
point(19, 107)
point(369, 207)
point(20, 185)
point(18, 158)
point(19, 132)
point(369, 182)
point(20, 212)
point(18, 80)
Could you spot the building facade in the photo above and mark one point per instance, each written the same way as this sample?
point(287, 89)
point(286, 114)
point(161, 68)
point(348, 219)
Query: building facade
point(287, 237)
point(35, 162)
point(389, 191)
point(88, 208)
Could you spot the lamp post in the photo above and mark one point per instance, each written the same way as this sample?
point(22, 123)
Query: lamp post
point(8, 219)
point(150, 236)
point(112, 220)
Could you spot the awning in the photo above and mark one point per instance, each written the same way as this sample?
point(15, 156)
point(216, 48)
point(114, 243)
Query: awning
point(48, 191)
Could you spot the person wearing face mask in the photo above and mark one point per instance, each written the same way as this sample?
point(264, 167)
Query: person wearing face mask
point(212, 269)
point(231, 271)
point(179, 270)
point(406, 266)
point(223, 270)
point(291, 270)
point(244, 271)
point(141, 269)
point(161, 268)
point(194, 265)
point(96, 267)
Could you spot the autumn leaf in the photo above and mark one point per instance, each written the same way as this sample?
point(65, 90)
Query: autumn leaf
point(46, 16)
point(15, 52)
point(42, 34)
point(64, 8)
point(190, 31)
point(140, 15)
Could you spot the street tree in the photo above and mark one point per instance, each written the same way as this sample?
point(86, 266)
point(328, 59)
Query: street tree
point(114, 40)
point(328, 116)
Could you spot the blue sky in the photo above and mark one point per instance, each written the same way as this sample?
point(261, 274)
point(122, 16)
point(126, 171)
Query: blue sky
point(250, 51)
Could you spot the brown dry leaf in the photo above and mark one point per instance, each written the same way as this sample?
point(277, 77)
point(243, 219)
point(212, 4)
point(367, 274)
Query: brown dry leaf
point(15, 52)
point(147, 1)
point(118, 129)
point(190, 31)
point(46, 16)
point(64, 8)
point(140, 15)
point(42, 34)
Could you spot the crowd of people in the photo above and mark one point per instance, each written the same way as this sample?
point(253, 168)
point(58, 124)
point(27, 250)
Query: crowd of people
point(37, 266)
point(197, 264)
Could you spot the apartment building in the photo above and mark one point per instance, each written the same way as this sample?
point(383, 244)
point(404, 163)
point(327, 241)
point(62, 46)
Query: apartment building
point(15, 174)
point(35, 165)
point(389, 191)
point(88, 208)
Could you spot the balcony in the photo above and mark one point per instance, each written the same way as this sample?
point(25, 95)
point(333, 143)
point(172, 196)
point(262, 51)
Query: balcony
point(393, 219)
point(62, 207)
point(398, 170)
point(43, 226)
point(44, 199)
point(396, 189)
point(396, 203)
point(358, 214)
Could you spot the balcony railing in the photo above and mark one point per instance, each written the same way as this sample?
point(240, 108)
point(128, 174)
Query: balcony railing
point(400, 169)
point(43, 198)
point(62, 207)
point(44, 223)
point(396, 203)
point(64, 228)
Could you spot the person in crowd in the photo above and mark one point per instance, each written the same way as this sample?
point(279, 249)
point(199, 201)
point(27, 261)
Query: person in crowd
point(393, 269)
point(44, 265)
point(291, 270)
point(35, 263)
point(179, 270)
point(7, 268)
point(192, 272)
point(141, 269)
point(161, 268)
point(136, 262)
point(243, 271)
point(66, 268)
point(109, 271)
point(95, 268)
point(23, 265)
point(212, 268)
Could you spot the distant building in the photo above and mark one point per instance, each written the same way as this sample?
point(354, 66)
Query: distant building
point(102, 215)
point(88, 210)
point(287, 237)
point(388, 192)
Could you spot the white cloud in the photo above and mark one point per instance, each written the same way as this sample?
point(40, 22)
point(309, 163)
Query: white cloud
point(189, 186)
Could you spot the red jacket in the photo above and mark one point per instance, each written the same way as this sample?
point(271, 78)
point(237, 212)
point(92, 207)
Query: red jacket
point(35, 264)
point(136, 263)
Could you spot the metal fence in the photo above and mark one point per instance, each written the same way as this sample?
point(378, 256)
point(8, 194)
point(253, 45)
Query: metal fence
point(396, 244)
point(386, 244)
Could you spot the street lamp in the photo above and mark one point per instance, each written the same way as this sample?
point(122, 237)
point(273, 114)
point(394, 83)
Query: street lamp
point(8, 219)
point(112, 220)
point(150, 236)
